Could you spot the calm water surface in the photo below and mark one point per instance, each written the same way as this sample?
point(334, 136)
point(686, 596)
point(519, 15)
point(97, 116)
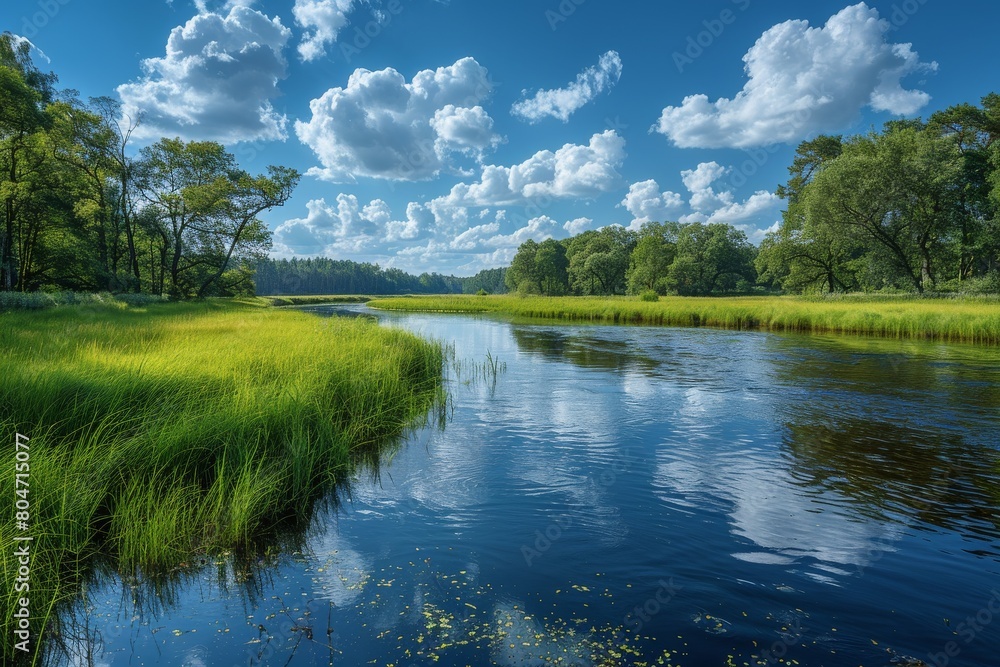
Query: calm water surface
point(631, 494)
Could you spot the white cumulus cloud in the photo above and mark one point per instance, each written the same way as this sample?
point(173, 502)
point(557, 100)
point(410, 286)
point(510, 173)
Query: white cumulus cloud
point(709, 205)
point(382, 126)
point(216, 81)
point(573, 171)
point(322, 21)
point(647, 203)
point(538, 229)
point(804, 80)
point(343, 225)
point(578, 225)
point(561, 103)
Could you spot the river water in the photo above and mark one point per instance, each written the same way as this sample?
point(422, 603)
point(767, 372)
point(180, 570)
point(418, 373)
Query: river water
point(614, 495)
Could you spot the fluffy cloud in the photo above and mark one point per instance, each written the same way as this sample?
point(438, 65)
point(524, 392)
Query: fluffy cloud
point(646, 203)
point(344, 225)
point(216, 81)
point(578, 226)
point(538, 229)
point(322, 21)
point(476, 236)
point(380, 126)
point(573, 171)
point(804, 80)
point(711, 206)
point(561, 103)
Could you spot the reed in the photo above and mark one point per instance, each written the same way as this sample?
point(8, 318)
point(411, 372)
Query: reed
point(164, 431)
point(966, 319)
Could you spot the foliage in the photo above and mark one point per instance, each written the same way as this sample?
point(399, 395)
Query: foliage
point(655, 251)
point(911, 208)
point(79, 213)
point(649, 295)
point(329, 276)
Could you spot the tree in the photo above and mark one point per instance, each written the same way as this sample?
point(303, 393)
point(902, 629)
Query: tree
point(650, 262)
point(237, 232)
point(552, 267)
point(24, 92)
point(523, 272)
point(598, 260)
point(803, 253)
point(202, 211)
point(897, 191)
point(974, 131)
point(711, 258)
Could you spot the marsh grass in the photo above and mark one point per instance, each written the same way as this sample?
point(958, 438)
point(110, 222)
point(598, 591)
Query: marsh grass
point(312, 300)
point(964, 319)
point(171, 430)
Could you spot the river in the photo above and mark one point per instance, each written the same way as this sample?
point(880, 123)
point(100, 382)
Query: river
point(612, 495)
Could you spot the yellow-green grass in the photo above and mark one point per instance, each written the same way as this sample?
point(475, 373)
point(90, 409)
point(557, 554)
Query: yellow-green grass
point(310, 299)
point(166, 431)
point(971, 320)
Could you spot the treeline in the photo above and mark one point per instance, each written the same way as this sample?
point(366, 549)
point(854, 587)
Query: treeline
point(81, 214)
point(666, 257)
point(329, 276)
point(911, 208)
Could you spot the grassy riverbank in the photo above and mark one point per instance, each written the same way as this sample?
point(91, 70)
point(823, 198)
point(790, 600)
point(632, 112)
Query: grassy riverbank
point(168, 430)
point(972, 320)
point(312, 300)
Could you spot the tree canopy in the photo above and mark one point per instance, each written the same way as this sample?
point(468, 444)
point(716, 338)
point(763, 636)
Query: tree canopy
point(913, 207)
point(81, 213)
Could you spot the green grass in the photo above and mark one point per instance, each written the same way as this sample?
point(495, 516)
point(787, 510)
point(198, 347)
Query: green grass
point(40, 300)
point(170, 430)
point(968, 319)
point(310, 300)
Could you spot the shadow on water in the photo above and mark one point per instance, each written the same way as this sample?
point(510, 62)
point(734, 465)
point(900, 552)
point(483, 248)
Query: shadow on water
point(920, 457)
point(582, 348)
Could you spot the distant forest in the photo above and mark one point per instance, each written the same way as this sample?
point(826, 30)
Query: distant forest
point(330, 276)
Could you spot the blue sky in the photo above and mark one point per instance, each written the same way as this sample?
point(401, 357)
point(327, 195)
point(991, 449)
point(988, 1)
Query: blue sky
point(438, 135)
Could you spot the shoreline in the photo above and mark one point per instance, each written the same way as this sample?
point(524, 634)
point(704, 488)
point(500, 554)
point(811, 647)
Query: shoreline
point(968, 320)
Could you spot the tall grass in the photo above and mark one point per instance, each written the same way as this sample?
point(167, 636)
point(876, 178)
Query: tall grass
point(311, 300)
point(162, 432)
point(968, 319)
point(39, 300)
